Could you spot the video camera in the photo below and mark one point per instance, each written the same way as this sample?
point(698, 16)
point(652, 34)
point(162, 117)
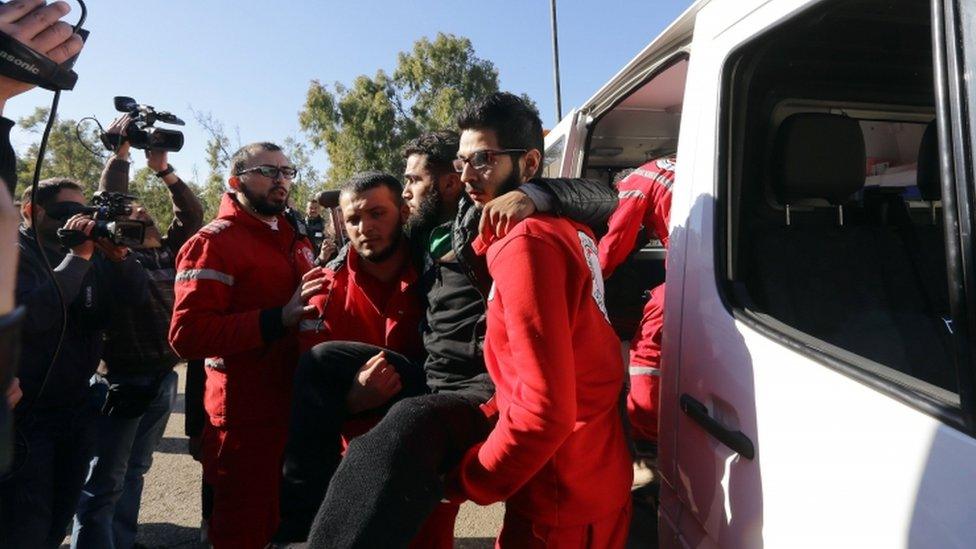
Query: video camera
point(141, 133)
point(111, 211)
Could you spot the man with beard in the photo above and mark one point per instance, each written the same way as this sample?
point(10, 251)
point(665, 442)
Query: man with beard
point(55, 419)
point(135, 384)
point(389, 480)
point(237, 308)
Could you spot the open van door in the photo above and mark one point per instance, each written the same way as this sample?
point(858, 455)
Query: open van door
point(562, 146)
point(818, 378)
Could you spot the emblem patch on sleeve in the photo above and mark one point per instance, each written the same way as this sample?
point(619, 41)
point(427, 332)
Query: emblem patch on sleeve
point(592, 257)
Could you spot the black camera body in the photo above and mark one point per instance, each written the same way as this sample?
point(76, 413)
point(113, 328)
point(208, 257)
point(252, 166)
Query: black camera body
point(141, 132)
point(110, 211)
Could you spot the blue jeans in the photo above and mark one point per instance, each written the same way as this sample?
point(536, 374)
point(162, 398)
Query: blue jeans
point(108, 512)
point(41, 492)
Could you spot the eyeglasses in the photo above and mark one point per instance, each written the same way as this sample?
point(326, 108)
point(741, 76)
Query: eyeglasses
point(481, 160)
point(271, 172)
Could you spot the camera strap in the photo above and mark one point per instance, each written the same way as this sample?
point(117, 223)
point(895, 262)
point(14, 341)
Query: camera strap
point(22, 63)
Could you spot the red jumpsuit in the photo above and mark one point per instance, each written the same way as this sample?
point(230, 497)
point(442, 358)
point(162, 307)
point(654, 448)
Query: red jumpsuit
point(645, 203)
point(354, 306)
point(232, 279)
point(557, 455)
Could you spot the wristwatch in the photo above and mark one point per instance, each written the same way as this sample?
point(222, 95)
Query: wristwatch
point(169, 169)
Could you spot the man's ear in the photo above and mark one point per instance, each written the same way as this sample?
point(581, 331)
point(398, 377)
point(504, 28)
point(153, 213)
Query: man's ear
point(404, 212)
point(530, 164)
point(234, 182)
point(25, 210)
point(451, 185)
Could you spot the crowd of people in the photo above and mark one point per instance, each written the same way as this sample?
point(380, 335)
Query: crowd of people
point(365, 368)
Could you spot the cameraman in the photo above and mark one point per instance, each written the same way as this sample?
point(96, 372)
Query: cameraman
point(39, 26)
point(135, 381)
point(54, 420)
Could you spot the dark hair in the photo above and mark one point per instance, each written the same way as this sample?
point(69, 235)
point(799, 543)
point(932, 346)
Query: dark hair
point(439, 147)
point(49, 189)
point(364, 181)
point(243, 154)
point(514, 120)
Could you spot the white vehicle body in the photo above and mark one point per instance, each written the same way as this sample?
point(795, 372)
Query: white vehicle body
point(847, 452)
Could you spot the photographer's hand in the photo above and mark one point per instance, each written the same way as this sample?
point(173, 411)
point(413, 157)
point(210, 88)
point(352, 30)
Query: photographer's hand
point(118, 126)
point(158, 161)
point(85, 224)
point(112, 251)
point(37, 25)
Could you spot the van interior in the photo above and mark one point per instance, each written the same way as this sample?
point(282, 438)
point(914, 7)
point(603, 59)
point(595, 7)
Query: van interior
point(831, 219)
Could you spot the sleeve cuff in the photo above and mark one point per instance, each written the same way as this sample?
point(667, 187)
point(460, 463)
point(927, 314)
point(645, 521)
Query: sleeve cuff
point(543, 201)
point(177, 187)
point(272, 327)
point(73, 266)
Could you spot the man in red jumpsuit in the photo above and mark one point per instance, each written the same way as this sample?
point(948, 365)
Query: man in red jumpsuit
point(645, 205)
point(557, 454)
point(238, 308)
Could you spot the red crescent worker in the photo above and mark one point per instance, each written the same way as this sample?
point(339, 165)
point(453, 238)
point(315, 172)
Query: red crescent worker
point(237, 307)
point(645, 205)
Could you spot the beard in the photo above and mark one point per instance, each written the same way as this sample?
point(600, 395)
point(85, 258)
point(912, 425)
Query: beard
point(386, 253)
point(510, 183)
point(513, 181)
point(428, 213)
point(262, 204)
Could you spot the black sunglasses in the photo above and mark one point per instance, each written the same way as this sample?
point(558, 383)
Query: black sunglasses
point(481, 160)
point(272, 172)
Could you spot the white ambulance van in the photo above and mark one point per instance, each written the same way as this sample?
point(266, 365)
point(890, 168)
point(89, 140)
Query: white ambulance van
point(819, 370)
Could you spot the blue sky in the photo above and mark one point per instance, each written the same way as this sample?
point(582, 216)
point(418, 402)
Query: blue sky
point(249, 63)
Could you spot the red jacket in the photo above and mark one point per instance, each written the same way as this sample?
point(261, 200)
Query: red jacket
point(353, 306)
point(557, 453)
point(645, 202)
point(232, 279)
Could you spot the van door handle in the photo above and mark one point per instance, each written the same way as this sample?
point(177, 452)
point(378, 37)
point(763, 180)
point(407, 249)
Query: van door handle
point(736, 440)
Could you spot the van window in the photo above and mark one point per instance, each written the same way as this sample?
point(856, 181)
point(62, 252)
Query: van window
point(552, 162)
point(836, 236)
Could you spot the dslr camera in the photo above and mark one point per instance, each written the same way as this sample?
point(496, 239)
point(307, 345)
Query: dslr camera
point(110, 211)
point(141, 132)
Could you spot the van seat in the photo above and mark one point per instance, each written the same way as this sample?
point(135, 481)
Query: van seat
point(852, 286)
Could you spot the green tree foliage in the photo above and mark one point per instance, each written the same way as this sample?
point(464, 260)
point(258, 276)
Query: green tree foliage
point(441, 77)
point(307, 180)
point(153, 195)
point(364, 126)
point(70, 152)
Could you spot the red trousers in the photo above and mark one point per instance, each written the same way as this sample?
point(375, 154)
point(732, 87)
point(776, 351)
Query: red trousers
point(609, 533)
point(244, 468)
point(645, 369)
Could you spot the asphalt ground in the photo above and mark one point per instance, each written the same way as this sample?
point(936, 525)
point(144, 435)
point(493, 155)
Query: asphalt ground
point(170, 513)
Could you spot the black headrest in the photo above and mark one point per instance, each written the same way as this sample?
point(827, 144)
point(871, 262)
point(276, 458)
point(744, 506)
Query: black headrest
point(928, 174)
point(818, 156)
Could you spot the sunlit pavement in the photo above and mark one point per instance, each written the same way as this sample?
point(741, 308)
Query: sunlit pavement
point(170, 514)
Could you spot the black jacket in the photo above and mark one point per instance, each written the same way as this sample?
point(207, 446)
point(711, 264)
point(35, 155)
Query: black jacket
point(92, 290)
point(585, 200)
point(136, 340)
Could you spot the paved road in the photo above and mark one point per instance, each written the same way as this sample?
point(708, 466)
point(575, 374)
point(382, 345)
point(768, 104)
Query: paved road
point(170, 515)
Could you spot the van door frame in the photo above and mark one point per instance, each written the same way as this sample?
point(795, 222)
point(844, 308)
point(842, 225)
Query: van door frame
point(955, 130)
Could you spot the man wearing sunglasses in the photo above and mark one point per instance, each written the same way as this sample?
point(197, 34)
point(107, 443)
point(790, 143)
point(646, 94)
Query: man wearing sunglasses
point(55, 420)
point(237, 308)
point(390, 478)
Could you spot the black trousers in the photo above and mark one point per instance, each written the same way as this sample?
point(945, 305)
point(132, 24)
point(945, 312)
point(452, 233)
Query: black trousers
point(313, 449)
point(391, 477)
